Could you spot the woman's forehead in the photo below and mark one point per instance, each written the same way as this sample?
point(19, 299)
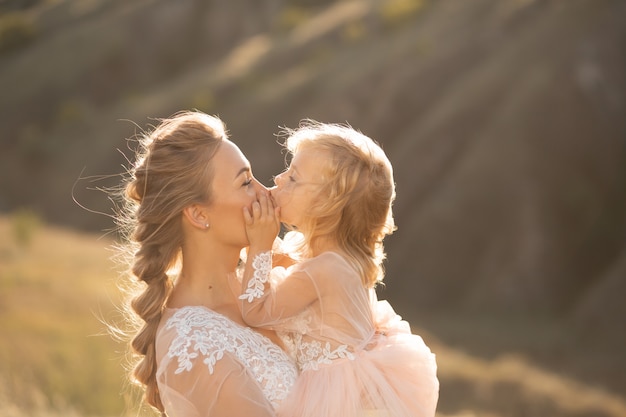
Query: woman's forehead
point(230, 161)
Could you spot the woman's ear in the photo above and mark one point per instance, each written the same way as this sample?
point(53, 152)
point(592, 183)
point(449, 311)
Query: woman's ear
point(197, 216)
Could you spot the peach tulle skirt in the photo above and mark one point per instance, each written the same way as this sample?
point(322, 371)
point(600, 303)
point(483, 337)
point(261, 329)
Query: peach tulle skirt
point(394, 376)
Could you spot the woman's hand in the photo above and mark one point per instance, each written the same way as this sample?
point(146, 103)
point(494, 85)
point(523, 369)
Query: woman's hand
point(262, 224)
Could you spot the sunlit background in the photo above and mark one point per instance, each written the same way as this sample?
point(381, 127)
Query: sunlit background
point(505, 121)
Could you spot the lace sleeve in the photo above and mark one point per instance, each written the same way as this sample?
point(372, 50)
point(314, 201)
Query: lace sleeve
point(209, 366)
point(262, 266)
point(228, 391)
point(272, 295)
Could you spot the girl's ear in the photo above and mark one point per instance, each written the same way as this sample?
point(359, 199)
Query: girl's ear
point(197, 216)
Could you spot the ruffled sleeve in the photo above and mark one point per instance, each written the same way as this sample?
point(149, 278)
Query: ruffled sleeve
point(386, 320)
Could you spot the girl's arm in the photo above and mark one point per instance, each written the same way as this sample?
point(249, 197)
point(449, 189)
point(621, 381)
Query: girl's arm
point(279, 256)
point(270, 295)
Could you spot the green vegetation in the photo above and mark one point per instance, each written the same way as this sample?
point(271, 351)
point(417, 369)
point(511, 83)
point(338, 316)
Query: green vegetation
point(397, 12)
point(291, 17)
point(16, 30)
point(25, 223)
point(204, 101)
point(354, 31)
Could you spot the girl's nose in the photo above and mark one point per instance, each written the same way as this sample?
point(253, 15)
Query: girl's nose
point(278, 179)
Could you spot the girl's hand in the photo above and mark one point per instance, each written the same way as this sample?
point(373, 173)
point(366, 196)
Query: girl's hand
point(263, 224)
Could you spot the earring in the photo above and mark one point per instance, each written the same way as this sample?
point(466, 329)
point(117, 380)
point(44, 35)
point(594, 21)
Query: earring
point(206, 226)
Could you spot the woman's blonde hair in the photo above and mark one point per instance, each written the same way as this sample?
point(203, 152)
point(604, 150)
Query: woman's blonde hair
point(171, 172)
point(353, 206)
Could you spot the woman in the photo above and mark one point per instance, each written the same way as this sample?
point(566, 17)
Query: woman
point(184, 203)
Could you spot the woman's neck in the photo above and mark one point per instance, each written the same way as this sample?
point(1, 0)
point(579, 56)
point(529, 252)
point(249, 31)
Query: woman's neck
point(204, 277)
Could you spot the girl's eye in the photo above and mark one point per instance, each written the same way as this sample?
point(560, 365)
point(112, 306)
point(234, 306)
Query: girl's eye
point(247, 182)
point(292, 179)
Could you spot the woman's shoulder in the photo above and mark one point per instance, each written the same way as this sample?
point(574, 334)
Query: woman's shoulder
point(190, 319)
point(197, 338)
point(190, 333)
point(201, 325)
point(193, 333)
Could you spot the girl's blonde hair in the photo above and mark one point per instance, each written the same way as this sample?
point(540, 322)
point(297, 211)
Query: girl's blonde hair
point(353, 206)
point(171, 172)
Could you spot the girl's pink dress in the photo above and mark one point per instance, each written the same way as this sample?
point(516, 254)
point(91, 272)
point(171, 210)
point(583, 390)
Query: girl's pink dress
point(356, 356)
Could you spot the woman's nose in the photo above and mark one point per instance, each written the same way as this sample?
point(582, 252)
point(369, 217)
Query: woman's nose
point(258, 187)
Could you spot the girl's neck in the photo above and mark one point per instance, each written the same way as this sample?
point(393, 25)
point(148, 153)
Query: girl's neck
point(323, 244)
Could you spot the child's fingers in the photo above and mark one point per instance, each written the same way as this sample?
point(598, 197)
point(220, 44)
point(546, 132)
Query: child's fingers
point(261, 203)
point(256, 210)
point(247, 216)
point(264, 203)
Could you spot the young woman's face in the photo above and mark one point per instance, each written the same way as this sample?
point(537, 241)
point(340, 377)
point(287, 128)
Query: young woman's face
point(233, 188)
point(297, 187)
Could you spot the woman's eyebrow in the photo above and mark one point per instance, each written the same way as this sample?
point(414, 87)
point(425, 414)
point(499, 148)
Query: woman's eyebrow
point(242, 170)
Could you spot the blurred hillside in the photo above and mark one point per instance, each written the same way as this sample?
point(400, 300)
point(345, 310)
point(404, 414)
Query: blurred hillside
point(504, 119)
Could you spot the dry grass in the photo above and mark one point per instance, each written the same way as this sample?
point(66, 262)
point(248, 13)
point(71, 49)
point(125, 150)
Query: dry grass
point(57, 360)
point(55, 353)
point(510, 386)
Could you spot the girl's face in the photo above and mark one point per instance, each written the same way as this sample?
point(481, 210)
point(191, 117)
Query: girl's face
point(297, 187)
point(233, 188)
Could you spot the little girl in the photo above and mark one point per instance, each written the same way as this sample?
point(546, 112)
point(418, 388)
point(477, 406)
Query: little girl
point(356, 356)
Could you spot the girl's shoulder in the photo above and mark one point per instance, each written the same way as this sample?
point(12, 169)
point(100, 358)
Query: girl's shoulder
point(325, 258)
point(329, 263)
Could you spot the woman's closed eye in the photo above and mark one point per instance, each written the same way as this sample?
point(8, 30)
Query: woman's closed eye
point(247, 182)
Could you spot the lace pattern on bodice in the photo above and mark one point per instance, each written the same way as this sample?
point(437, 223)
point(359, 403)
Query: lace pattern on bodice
point(203, 333)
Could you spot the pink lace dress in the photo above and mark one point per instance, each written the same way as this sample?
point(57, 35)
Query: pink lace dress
point(357, 357)
point(208, 365)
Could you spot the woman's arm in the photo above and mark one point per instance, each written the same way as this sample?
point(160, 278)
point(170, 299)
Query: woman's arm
point(228, 391)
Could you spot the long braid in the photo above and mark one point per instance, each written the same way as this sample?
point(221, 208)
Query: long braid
point(171, 173)
point(150, 265)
